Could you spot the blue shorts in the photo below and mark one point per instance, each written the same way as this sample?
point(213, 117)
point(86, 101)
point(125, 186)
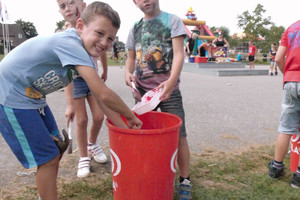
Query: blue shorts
point(174, 106)
point(27, 132)
point(80, 88)
point(272, 63)
point(290, 109)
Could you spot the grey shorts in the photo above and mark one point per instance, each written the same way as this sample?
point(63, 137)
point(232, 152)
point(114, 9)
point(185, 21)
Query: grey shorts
point(290, 109)
point(81, 89)
point(174, 106)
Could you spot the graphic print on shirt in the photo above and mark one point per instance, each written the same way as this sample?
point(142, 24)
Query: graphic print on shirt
point(294, 36)
point(154, 54)
point(49, 82)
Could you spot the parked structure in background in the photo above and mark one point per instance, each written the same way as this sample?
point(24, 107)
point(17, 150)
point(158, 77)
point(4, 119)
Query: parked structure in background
point(11, 35)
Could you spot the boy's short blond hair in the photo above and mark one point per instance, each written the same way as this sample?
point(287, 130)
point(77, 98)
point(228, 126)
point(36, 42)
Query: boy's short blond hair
point(100, 9)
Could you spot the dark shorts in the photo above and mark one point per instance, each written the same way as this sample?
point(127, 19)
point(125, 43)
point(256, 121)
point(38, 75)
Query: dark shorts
point(174, 106)
point(27, 132)
point(202, 52)
point(251, 58)
point(80, 88)
point(116, 54)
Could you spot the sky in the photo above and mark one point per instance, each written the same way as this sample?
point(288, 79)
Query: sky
point(44, 13)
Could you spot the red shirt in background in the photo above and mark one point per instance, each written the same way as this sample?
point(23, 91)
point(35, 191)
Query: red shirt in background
point(252, 50)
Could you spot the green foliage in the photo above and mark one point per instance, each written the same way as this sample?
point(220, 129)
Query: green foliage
point(59, 25)
point(28, 28)
point(273, 36)
point(257, 28)
point(254, 25)
point(225, 30)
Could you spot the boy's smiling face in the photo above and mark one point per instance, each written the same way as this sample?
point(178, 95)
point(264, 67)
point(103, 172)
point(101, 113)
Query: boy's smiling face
point(97, 36)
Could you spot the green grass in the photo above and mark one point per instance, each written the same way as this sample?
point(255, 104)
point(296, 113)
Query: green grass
point(214, 175)
point(111, 62)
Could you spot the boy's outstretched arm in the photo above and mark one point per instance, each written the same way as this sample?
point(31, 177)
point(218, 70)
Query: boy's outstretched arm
point(130, 67)
point(108, 100)
point(178, 56)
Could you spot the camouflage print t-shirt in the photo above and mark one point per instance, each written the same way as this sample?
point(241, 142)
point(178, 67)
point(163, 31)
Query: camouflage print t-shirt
point(152, 41)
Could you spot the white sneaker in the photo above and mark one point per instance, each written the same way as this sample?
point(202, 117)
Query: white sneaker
point(97, 153)
point(84, 167)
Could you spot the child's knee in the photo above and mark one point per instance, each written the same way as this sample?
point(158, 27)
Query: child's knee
point(98, 119)
point(52, 163)
point(82, 121)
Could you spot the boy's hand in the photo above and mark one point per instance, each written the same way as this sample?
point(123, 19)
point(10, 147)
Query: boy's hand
point(134, 123)
point(129, 77)
point(70, 114)
point(167, 90)
point(104, 77)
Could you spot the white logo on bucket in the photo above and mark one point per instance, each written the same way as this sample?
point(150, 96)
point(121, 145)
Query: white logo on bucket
point(296, 138)
point(114, 157)
point(173, 161)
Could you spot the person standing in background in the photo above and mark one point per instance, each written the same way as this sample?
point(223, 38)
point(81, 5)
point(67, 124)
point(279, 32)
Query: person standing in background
point(252, 52)
point(272, 54)
point(77, 94)
point(190, 44)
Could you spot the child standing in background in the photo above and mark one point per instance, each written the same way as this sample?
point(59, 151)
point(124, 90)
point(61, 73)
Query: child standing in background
point(77, 95)
point(272, 54)
point(252, 53)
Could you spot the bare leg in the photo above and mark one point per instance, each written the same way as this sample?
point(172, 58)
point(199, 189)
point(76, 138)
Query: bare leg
point(282, 144)
point(271, 69)
point(183, 157)
point(98, 117)
point(46, 179)
point(81, 126)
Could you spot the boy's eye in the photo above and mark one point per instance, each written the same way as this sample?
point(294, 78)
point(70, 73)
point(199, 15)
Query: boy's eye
point(71, 3)
point(62, 6)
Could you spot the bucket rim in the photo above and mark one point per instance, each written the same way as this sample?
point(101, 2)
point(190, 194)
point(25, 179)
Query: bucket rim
point(147, 131)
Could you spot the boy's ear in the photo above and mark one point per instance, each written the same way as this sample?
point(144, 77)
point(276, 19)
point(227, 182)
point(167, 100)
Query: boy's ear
point(79, 24)
point(134, 1)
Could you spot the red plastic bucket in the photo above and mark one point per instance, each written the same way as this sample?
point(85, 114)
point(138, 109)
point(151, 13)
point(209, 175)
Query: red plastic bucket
point(144, 161)
point(295, 148)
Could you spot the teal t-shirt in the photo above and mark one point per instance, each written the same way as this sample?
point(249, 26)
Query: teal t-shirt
point(39, 66)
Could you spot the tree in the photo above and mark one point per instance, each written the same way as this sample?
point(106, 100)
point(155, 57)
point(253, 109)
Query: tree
point(59, 25)
point(261, 30)
point(273, 36)
point(28, 28)
point(225, 30)
point(255, 26)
